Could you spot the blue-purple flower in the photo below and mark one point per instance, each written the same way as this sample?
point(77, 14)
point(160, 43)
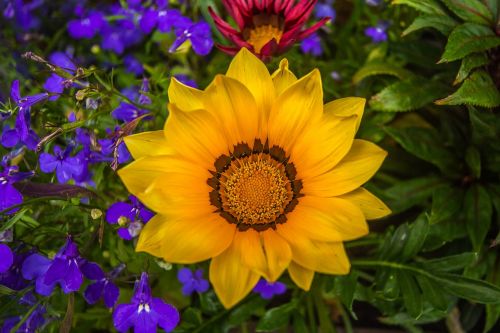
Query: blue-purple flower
point(65, 166)
point(192, 281)
point(325, 9)
point(9, 195)
point(12, 278)
point(312, 45)
point(131, 216)
point(103, 287)
point(55, 84)
point(199, 34)
point(7, 258)
point(128, 112)
point(377, 33)
point(186, 80)
point(133, 65)
point(267, 290)
point(86, 27)
point(145, 312)
point(65, 270)
point(34, 321)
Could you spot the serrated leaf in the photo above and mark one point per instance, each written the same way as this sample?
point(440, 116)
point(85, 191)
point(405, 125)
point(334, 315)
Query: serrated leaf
point(469, 63)
point(424, 6)
point(372, 69)
point(478, 212)
point(408, 95)
point(473, 160)
point(446, 202)
point(470, 10)
point(412, 297)
point(276, 318)
point(425, 143)
point(441, 23)
point(451, 263)
point(477, 89)
point(469, 38)
point(433, 293)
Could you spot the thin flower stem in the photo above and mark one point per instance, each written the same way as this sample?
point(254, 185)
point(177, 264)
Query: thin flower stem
point(26, 316)
point(345, 318)
point(325, 321)
point(310, 312)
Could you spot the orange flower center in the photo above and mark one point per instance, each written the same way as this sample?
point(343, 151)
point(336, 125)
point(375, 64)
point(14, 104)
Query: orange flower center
point(261, 35)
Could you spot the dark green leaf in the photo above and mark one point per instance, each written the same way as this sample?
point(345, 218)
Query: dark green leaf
point(408, 95)
point(468, 64)
point(469, 38)
point(470, 10)
point(6, 290)
point(451, 263)
point(474, 290)
point(425, 6)
point(408, 193)
point(416, 238)
point(192, 316)
point(210, 303)
point(473, 159)
point(299, 324)
point(411, 294)
point(244, 311)
point(483, 126)
point(425, 143)
point(345, 287)
point(442, 23)
point(492, 316)
point(13, 220)
point(378, 68)
point(446, 202)
point(395, 245)
point(478, 89)
point(433, 293)
point(478, 211)
point(276, 318)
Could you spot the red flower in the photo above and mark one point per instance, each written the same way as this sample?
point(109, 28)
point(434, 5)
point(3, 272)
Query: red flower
point(266, 27)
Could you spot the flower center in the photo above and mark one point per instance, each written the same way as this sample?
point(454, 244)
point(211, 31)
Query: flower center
point(254, 188)
point(260, 36)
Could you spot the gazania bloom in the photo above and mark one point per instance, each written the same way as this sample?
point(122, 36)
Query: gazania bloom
point(266, 27)
point(256, 174)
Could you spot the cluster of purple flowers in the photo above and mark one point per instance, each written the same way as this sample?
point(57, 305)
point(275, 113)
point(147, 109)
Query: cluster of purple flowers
point(129, 216)
point(136, 20)
point(312, 44)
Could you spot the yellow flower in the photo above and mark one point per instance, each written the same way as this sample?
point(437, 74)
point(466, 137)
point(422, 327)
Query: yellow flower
point(256, 174)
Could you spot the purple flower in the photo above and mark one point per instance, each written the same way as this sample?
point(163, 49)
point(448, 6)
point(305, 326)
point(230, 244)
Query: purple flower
point(65, 166)
point(27, 101)
point(325, 9)
point(64, 269)
point(186, 80)
point(108, 147)
point(373, 3)
point(335, 75)
point(377, 33)
point(171, 18)
point(103, 287)
point(135, 214)
point(21, 133)
point(9, 195)
point(312, 45)
point(55, 84)
point(132, 65)
point(144, 313)
point(21, 10)
point(12, 278)
point(34, 321)
point(148, 20)
point(7, 258)
point(86, 27)
point(192, 281)
point(199, 34)
point(268, 289)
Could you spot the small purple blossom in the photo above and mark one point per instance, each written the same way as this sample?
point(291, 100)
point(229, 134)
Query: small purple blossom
point(86, 27)
point(312, 45)
point(9, 195)
point(267, 290)
point(377, 33)
point(186, 80)
point(64, 269)
point(7, 258)
point(325, 9)
point(103, 287)
point(128, 112)
point(34, 321)
point(144, 313)
point(199, 34)
point(65, 166)
point(134, 213)
point(12, 278)
point(192, 281)
point(133, 65)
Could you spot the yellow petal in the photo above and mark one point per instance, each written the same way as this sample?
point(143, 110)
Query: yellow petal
point(301, 276)
point(185, 97)
point(283, 77)
point(345, 107)
point(147, 143)
point(299, 106)
point(320, 148)
point(138, 175)
point(371, 206)
point(235, 108)
point(249, 244)
point(187, 241)
point(195, 135)
point(355, 169)
point(278, 254)
point(232, 281)
point(253, 74)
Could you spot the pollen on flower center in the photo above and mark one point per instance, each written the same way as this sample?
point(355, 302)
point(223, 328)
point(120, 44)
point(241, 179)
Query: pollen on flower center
point(262, 35)
point(255, 189)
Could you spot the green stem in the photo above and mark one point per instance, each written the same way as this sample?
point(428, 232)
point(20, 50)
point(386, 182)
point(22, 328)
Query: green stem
point(345, 318)
point(310, 312)
point(325, 321)
point(26, 316)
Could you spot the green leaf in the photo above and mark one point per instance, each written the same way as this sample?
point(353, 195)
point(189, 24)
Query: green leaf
point(412, 297)
point(415, 241)
point(477, 89)
point(492, 316)
point(470, 10)
point(433, 293)
point(424, 6)
point(345, 287)
point(468, 288)
point(408, 193)
point(469, 38)
point(470, 62)
point(473, 160)
point(245, 311)
point(425, 143)
point(408, 95)
point(484, 126)
point(478, 212)
point(210, 303)
point(192, 316)
point(442, 23)
point(378, 68)
point(451, 263)
point(446, 202)
point(276, 318)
